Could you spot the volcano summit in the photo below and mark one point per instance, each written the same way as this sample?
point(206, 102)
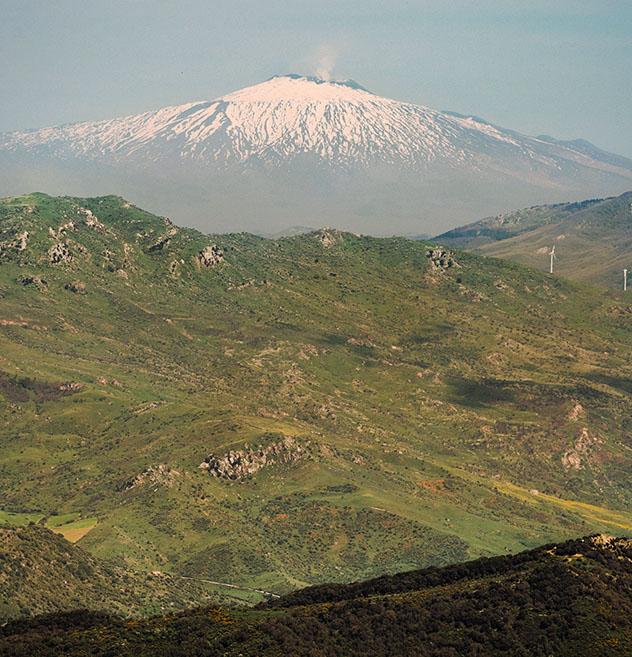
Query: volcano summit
point(301, 150)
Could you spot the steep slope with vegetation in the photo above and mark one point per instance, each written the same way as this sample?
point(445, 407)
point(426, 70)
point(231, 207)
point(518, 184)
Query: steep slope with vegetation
point(564, 600)
point(592, 239)
point(277, 413)
point(41, 572)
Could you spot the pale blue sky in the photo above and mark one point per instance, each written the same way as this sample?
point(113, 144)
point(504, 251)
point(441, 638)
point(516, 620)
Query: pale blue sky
point(557, 67)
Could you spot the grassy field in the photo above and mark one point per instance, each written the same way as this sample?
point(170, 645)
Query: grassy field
point(439, 412)
point(70, 528)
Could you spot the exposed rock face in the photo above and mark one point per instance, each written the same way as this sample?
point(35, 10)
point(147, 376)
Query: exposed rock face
point(71, 386)
point(605, 540)
point(576, 412)
point(18, 243)
point(210, 256)
point(441, 259)
point(78, 287)
point(163, 241)
point(62, 230)
point(40, 283)
point(243, 463)
point(59, 252)
point(328, 237)
point(160, 474)
point(91, 221)
point(575, 458)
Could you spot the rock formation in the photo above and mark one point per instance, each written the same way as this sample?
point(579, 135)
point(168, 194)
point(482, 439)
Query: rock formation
point(59, 252)
point(163, 241)
point(328, 237)
point(210, 256)
point(160, 474)
point(91, 221)
point(40, 283)
point(576, 458)
point(18, 243)
point(78, 287)
point(243, 463)
point(441, 259)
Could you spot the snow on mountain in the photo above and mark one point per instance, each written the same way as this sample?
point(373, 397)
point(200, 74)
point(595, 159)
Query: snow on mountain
point(336, 125)
point(287, 115)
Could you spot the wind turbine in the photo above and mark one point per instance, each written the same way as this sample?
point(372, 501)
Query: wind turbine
point(625, 280)
point(552, 254)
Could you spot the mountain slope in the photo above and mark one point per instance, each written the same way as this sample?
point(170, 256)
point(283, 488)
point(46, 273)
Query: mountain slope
point(593, 239)
point(234, 408)
point(295, 148)
point(564, 600)
point(41, 572)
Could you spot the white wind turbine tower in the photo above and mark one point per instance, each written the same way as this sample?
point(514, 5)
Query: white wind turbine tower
point(625, 280)
point(552, 254)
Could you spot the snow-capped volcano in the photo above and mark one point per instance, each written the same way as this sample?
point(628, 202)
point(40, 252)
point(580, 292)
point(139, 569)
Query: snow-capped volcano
point(279, 142)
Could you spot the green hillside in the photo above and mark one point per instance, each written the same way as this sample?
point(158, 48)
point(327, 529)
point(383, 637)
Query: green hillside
point(559, 600)
point(323, 407)
point(592, 239)
point(511, 224)
point(41, 572)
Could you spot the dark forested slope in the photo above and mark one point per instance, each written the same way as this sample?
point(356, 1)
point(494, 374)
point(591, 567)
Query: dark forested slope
point(560, 600)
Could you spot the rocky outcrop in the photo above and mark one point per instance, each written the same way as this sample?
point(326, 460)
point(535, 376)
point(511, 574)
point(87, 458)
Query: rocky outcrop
point(576, 457)
point(77, 287)
point(210, 256)
point(441, 259)
point(18, 243)
point(328, 237)
point(576, 412)
point(160, 474)
point(163, 241)
point(91, 221)
point(70, 386)
point(243, 463)
point(62, 230)
point(38, 282)
point(59, 253)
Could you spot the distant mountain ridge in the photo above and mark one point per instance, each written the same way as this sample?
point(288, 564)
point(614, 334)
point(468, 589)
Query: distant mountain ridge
point(592, 238)
point(297, 148)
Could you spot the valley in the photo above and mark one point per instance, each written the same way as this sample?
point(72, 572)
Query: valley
point(315, 329)
point(233, 408)
point(572, 598)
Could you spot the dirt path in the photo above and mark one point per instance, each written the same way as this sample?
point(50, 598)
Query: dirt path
point(230, 586)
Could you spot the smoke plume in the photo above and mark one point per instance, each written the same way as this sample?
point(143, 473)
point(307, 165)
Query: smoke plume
point(325, 62)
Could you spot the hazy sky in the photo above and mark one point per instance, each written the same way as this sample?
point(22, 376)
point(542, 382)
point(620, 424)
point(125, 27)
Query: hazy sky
point(557, 67)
